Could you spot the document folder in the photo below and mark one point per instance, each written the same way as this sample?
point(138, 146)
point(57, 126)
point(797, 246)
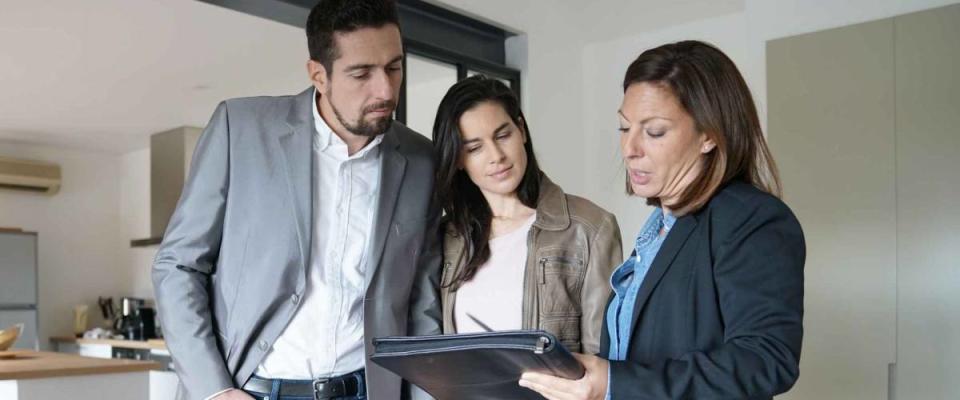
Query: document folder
point(475, 366)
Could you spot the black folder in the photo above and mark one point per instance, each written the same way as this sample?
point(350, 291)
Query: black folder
point(475, 366)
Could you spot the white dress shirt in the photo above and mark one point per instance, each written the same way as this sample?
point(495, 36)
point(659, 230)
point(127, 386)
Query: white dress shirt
point(325, 336)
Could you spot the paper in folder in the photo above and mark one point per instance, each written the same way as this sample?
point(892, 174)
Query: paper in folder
point(476, 366)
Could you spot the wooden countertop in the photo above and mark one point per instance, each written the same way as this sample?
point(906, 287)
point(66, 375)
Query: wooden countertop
point(158, 344)
point(28, 364)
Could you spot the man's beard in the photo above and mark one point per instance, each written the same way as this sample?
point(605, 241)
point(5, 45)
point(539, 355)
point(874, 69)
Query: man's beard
point(362, 127)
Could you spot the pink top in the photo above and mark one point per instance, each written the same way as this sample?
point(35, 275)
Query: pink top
point(495, 294)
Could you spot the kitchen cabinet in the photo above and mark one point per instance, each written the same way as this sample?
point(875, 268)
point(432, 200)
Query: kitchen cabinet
point(162, 382)
point(863, 124)
point(34, 375)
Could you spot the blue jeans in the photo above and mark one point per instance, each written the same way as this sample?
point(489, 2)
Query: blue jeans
point(274, 394)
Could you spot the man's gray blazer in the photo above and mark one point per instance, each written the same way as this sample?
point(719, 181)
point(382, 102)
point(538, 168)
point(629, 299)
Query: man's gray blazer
point(232, 267)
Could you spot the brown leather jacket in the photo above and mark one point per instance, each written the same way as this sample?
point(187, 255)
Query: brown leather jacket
point(573, 248)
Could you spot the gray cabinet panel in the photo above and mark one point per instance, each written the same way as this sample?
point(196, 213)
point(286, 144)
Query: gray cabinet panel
point(865, 124)
point(928, 195)
point(831, 130)
point(18, 268)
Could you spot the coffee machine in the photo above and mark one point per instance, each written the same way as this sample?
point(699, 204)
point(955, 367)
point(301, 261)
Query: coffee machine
point(136, 320)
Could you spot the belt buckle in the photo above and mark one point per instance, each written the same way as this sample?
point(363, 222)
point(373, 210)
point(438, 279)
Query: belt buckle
point(318, 387)
point(320, 392)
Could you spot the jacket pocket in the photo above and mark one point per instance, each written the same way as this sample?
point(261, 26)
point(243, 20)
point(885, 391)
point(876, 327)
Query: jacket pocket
point(566, 329)
point(561, 281)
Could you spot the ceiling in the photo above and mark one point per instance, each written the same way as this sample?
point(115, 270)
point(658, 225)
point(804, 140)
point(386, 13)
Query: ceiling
point(105, 74)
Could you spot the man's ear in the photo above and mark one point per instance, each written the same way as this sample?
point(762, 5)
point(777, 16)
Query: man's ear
point(318, 75)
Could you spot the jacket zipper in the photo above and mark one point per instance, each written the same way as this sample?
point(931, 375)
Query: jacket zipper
point(543, 265)
point(543, 271)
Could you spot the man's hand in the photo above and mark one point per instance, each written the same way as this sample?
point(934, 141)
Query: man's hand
point(593, 385)
point(233, 394)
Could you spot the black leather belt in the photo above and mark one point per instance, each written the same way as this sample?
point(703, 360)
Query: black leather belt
point(327, 388)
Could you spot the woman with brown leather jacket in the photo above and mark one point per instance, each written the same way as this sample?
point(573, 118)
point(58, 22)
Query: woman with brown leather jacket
point(518, 252)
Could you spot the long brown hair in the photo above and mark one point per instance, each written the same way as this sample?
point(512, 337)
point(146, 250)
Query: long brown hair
point(710, 88)
point(466, 210)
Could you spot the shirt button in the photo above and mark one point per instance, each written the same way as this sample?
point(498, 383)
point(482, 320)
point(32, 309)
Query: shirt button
point(263, 345)
point(295, 299)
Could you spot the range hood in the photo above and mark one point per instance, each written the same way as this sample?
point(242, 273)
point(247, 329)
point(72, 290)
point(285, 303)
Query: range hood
point(170, 155)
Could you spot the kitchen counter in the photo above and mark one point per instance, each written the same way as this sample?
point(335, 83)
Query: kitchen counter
point(29, 364)
point(34, 375)
point(151, 344)
point(162, 383)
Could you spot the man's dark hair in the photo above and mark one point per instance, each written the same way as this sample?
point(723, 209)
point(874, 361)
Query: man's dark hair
point(331, 16)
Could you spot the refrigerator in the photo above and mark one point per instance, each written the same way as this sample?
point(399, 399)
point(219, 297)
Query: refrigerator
point(18, 285)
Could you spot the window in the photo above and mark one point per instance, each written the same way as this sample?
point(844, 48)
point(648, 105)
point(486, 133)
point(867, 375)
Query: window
point(427, 81)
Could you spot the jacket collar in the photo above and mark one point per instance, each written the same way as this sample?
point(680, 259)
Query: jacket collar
point(553, 213)
point(300, 117)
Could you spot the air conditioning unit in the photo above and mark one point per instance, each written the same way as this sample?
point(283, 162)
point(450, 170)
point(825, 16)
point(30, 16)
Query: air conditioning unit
point(30, 176)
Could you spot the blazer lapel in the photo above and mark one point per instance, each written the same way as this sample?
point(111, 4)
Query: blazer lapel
point(297, 154)
point(393, 164)
point(671, 246)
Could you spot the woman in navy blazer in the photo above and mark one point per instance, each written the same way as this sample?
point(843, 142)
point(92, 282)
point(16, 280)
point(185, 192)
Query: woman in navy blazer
point(710, 303)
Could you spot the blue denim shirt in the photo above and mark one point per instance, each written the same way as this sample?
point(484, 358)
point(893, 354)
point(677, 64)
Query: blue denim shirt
point(626, 281)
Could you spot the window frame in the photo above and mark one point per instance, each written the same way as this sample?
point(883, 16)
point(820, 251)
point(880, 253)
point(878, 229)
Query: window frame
point(463, 64)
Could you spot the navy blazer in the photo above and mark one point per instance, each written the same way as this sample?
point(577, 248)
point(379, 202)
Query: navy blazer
point(719, 315)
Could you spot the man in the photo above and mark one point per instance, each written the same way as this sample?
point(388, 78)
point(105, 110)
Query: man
point(300, 233)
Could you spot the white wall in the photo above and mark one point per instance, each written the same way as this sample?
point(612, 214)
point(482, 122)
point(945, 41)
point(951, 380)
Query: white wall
point(78, 230)
point(135, 220)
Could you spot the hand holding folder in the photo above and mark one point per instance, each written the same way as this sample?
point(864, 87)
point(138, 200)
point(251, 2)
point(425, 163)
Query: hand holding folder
point(476, 366)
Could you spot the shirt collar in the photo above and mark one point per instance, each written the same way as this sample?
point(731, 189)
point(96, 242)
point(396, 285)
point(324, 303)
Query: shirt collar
point(668, 220)
point(324, 136)
point(651, 230)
